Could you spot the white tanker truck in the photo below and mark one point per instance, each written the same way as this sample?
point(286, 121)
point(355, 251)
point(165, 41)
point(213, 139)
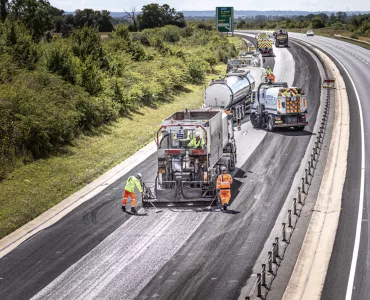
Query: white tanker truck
point(233, 93)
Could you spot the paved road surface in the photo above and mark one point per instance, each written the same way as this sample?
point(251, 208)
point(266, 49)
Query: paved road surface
point(357, 62)
point(99, 252)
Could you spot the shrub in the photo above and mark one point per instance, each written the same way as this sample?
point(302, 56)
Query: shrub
point(41, 111)
point(197, 69)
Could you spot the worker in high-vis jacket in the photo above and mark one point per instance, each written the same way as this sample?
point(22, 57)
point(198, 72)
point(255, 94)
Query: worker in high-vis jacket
point(197, 142)
point(132, 183)
point(224, 182)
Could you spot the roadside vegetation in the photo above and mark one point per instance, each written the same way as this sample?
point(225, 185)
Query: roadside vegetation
point(73, 105)
point(356, 26)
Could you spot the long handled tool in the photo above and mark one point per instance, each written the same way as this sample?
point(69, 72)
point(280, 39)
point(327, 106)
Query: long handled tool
point(157, 210)
point(150, 196)
point(210, 206)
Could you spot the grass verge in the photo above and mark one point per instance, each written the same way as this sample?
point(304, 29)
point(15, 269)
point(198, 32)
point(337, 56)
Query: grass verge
point(31, 190)
point(239, 43)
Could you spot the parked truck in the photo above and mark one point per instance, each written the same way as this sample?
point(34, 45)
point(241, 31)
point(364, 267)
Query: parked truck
point(281, 38)
point(186, 176)
point(265, 47)
point(231, 93)
point(278, 105)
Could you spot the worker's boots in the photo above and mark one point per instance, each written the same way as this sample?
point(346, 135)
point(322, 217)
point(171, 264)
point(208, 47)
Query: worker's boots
point(123, 208)
point(223, 207)
point(133, 210)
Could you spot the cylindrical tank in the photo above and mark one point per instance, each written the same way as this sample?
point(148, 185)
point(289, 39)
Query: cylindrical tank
point(229, 91)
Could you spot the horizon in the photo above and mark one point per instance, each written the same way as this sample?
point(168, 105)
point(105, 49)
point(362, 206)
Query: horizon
point(208, 5)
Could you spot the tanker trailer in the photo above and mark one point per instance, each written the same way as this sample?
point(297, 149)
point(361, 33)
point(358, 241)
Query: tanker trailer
point(231, 93)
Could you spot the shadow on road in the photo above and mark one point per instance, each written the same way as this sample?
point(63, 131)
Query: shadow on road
point(292, 132)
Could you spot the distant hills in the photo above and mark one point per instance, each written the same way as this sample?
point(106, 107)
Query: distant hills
point(248, 13)
point(253, 13)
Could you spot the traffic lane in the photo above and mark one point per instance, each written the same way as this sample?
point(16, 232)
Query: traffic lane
point(359, 53)
point(283, 62)
point(42, 258)
point(337, 277)
point(218, 259)
point(267, 61)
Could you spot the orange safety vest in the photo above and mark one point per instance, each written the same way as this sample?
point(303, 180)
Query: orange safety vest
point(224, 181)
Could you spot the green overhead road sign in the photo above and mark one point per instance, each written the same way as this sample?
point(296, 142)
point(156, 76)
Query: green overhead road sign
point(225, 19)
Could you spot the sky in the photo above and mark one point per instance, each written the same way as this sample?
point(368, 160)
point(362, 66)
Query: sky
point(306, 5)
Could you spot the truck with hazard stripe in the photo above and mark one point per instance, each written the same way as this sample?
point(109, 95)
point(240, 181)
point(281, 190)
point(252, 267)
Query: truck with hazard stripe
point(278, 105)
point(264, 44)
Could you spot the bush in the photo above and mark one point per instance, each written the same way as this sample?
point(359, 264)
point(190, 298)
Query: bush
point(197, 69)
point(59, 59)
point(40, 110)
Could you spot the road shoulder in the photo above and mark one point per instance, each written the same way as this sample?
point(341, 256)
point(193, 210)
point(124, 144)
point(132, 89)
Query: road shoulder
point(308, 277)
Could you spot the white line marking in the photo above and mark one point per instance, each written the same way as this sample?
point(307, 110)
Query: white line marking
point(362, 187)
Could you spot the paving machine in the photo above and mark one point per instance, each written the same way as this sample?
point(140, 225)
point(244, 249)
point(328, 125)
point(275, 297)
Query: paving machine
point(187, 176)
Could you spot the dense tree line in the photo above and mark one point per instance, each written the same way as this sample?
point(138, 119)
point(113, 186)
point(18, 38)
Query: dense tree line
point(54, 88)
point(358, 24)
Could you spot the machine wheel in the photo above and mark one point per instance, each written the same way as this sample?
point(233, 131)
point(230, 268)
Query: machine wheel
point(255, 120)
point(270, 124)
point(298, 128)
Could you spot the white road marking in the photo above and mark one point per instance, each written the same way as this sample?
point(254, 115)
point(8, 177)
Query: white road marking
point(352, 272)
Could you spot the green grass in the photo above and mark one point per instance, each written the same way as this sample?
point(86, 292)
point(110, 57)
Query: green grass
point(239, 43)
point(34, 188)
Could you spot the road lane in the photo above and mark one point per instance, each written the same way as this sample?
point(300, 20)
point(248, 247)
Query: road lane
point(355, 60)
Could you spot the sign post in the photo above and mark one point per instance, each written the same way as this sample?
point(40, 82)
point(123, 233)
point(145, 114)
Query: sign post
point(225, 19)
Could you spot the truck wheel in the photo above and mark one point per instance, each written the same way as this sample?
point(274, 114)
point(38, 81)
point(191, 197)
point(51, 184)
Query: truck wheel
point(231, 164)
point(298, 128)
point(255, 120)
point(270, 124)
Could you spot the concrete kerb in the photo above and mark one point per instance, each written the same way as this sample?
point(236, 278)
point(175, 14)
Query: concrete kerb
point(248, 291)
point(310, 270)
point(57, 212)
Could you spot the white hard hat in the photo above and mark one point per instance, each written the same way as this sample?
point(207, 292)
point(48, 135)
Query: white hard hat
point(138, 176)
point(197, 134)
point(223, 168)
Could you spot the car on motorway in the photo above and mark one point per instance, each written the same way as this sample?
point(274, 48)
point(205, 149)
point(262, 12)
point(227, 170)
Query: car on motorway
point(310, 33)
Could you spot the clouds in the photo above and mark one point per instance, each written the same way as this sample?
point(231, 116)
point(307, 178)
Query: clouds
point(311, 5)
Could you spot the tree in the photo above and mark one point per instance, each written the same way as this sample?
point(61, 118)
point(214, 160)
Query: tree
point(131, 16)
point(153, 15)
point(91, 18)
point(105, 22)
point(3, 9)
point(317, 22)
point(34, 14)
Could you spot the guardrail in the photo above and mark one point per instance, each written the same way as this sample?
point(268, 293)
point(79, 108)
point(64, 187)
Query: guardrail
point(348, 38)
point(262, 286)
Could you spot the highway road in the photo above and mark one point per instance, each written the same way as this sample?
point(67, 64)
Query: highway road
point(99, 252)
point(349, 270)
